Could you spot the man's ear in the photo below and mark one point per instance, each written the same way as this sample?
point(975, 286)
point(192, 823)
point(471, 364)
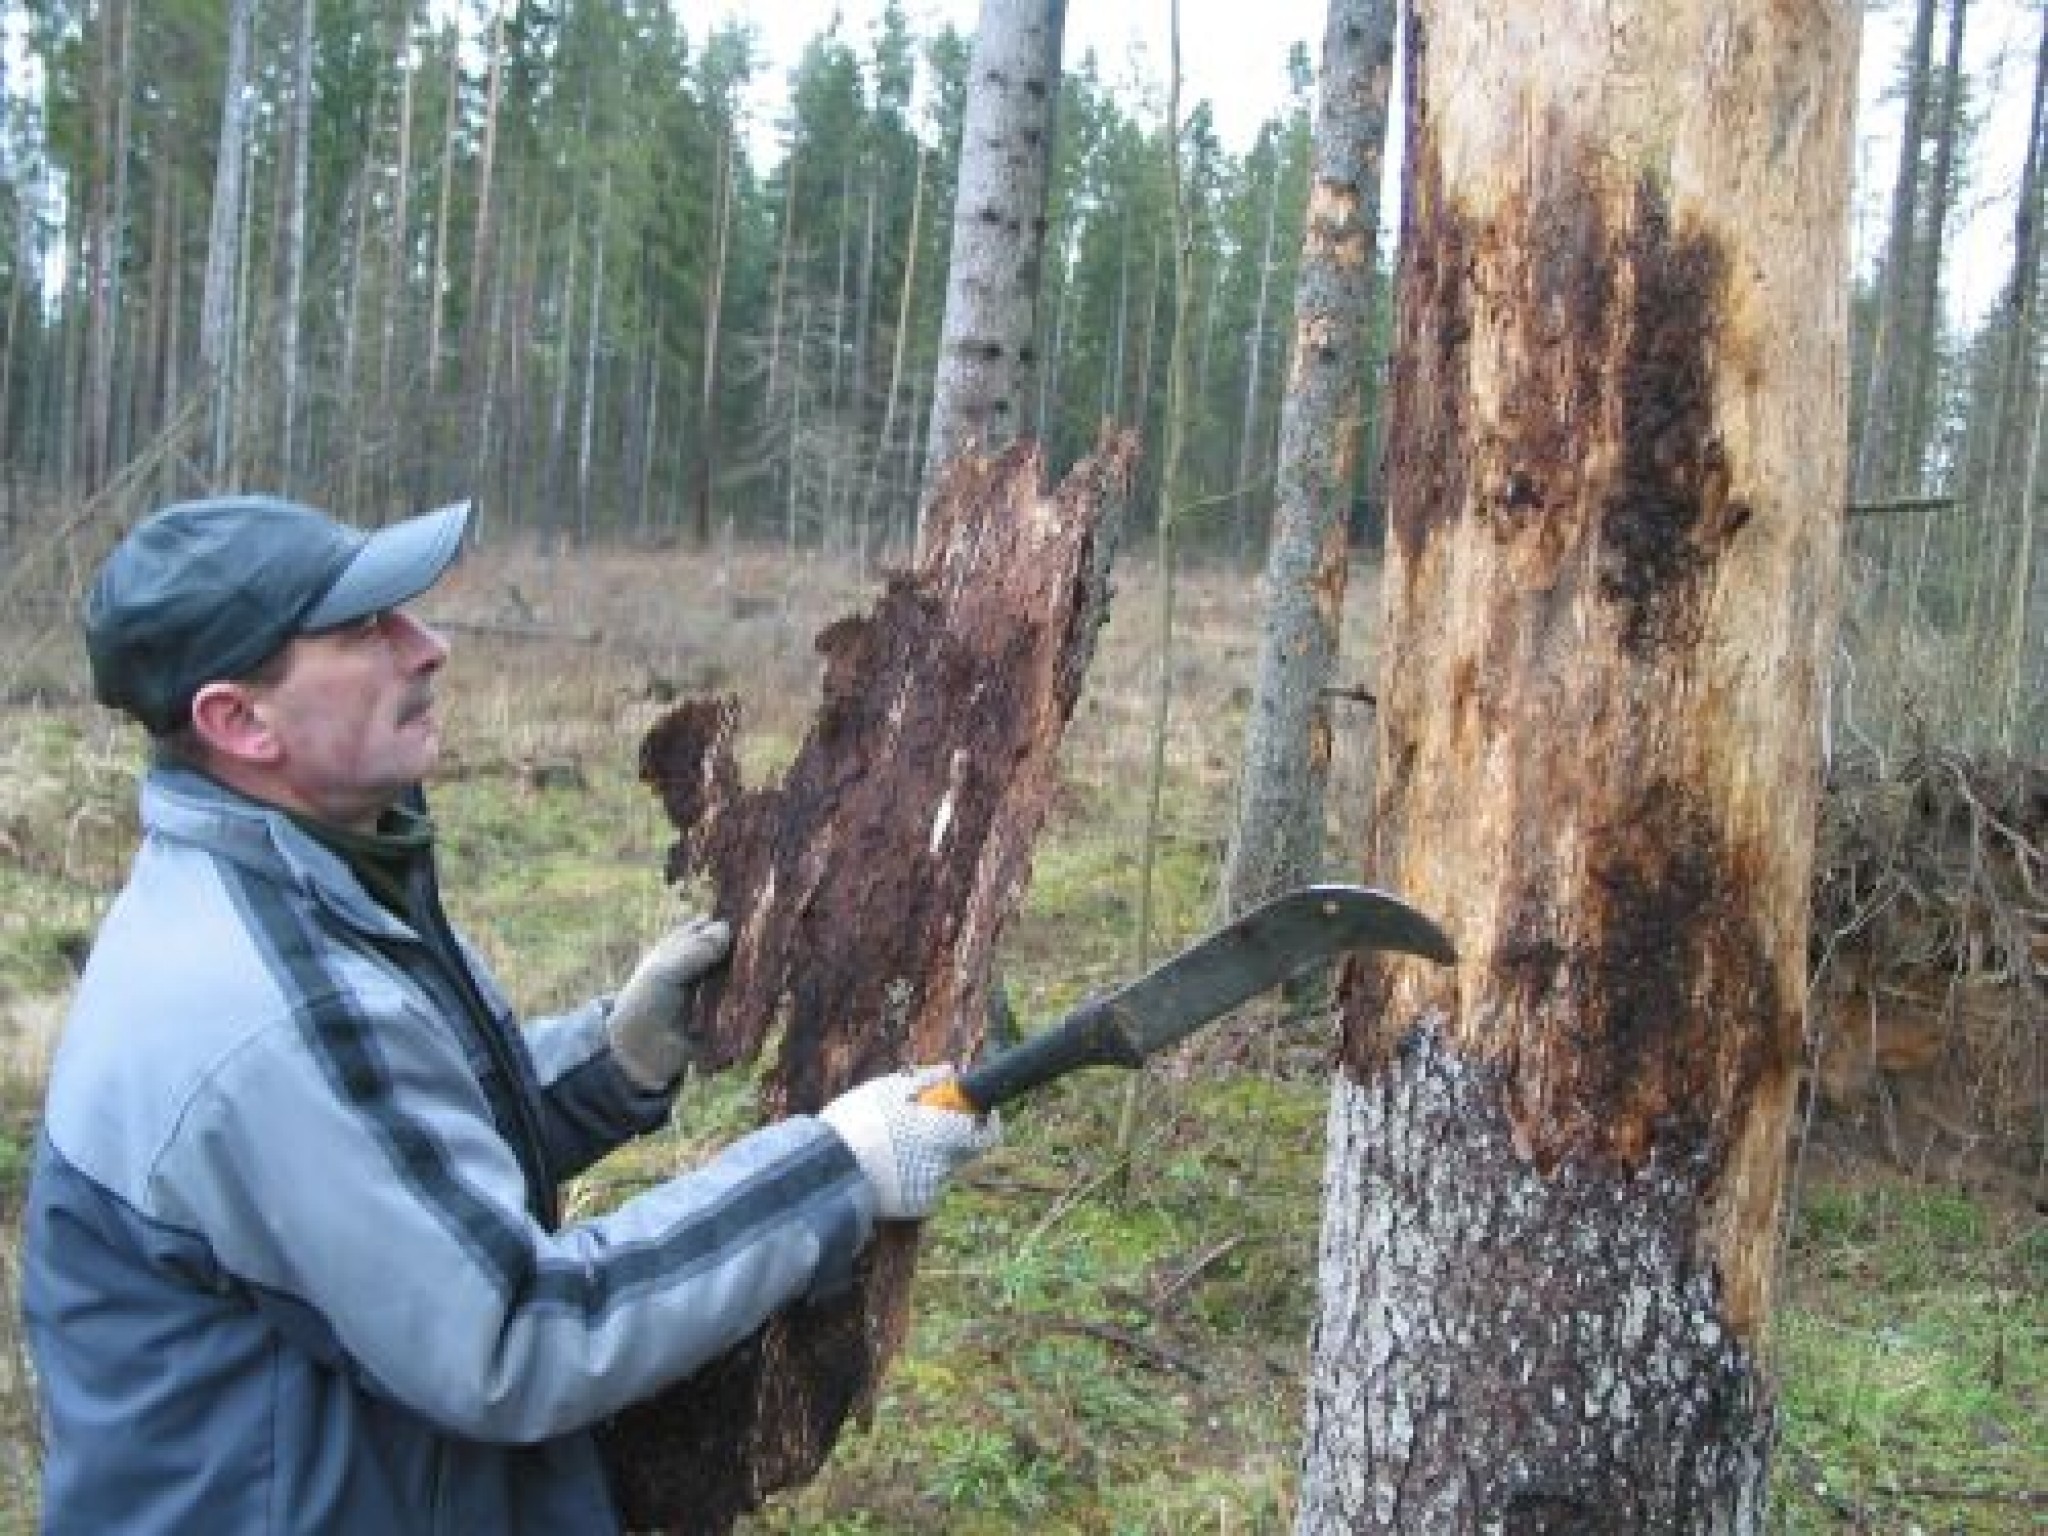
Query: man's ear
point(229, 718)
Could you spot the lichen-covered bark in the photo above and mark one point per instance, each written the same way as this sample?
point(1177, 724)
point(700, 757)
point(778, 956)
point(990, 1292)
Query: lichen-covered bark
point(1616, 469)
point(1609, 1395)
point(1277, 838)
point(865, 892)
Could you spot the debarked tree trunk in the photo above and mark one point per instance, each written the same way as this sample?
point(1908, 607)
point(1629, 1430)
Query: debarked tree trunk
point(866, 891)
point(1616, 467)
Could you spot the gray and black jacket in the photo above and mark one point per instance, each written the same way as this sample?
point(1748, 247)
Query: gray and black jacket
point(291, 1261)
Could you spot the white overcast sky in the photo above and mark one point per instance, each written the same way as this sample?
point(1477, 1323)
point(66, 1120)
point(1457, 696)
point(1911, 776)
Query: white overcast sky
point(1233, 52)
point(1234, 55)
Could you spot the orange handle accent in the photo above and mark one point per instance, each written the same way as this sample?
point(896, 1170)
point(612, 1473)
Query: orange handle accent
point(947, 1095)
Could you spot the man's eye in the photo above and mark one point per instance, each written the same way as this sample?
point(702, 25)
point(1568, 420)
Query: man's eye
point(368, 626)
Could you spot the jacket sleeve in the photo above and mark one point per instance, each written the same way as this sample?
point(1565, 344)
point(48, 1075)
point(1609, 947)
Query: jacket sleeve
point(588, 1105)
point(346, 1161)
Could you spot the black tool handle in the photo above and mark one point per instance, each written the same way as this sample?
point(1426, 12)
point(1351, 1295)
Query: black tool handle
point(1087, 1037)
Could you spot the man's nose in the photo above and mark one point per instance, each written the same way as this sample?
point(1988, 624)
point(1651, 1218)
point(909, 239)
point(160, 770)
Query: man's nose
point(421, 645)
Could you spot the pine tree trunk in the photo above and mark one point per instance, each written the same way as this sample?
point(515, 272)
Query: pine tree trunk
point(110, 219)
point(1884, 368)
point(1911, 443)
point(586, 419)
point(987, 347)
point(714, 308)
point(396, 276)
point(451, 124)
point(295, 243)
point(1249, 501)
point(1616, 469)
point(1277, 838)
point(480, 339)
point(216, 308)
point(877, 466)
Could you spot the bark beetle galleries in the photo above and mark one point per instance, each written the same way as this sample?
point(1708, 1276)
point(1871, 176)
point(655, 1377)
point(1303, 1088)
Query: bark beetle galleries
point(1648, 1005)
point(1665, 515)
point(1432, 370)
point(1604, 323)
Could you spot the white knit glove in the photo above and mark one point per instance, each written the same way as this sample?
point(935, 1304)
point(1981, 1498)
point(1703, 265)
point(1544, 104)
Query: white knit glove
point(652, 1017)
point(906, 1149)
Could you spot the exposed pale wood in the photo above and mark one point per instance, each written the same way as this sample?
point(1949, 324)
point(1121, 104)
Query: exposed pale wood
point(1616, 477)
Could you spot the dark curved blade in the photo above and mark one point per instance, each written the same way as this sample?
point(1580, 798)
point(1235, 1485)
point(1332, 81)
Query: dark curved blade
point(1237, 962)
point(1260, 950)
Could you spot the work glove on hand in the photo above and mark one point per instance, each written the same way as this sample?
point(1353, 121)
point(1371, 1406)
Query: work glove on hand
point(652, 1017)
point(906, 1149)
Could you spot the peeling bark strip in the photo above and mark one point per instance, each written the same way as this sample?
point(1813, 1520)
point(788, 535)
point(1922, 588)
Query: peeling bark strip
point(1609, 1396)
point(865, 893)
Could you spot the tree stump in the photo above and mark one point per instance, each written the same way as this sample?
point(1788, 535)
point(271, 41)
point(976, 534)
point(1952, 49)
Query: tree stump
point(865, 893)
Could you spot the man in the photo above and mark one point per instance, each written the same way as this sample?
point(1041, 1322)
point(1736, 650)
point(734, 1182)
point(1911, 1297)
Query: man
point(293, 1260)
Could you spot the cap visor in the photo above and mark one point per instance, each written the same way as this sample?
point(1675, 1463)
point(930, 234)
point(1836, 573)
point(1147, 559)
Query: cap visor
point(394, 566)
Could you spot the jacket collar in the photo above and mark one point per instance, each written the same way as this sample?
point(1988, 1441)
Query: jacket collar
point(185, 806)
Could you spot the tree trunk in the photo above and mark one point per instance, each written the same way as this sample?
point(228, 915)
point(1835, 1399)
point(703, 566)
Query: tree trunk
point(558, 406)
point(1248, 501)
point(988, 343)
point(1883, 370)
point(480, 339)
point(1911, 442)
point(295, 244)
point(906, 293)
point(866, 892)
point(216, 307)
point(714, 307)
point(1277, 839)
point(2021, 374)
point(396, 267)
point(451, 125)
point(2014, 456)
point(109, 216)
point(1617, 473)
point(586, 418)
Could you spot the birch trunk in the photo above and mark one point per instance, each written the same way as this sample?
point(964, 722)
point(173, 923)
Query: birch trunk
point(1617, 474)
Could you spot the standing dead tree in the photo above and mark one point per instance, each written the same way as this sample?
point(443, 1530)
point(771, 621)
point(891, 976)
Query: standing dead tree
point(1616, 465)
point(866, 892)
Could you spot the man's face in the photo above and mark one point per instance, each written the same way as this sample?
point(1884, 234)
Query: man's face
point(353, 716)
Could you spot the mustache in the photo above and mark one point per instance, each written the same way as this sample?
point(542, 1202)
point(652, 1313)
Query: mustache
point(416, 706)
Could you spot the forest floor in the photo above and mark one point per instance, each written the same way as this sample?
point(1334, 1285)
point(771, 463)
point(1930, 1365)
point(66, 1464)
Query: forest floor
point(1101, 1355)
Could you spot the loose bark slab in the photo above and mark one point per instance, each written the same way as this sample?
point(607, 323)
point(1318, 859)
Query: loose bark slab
point(865, 893)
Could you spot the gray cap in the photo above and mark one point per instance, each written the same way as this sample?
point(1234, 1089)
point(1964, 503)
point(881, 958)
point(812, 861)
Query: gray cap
point(205, 590)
